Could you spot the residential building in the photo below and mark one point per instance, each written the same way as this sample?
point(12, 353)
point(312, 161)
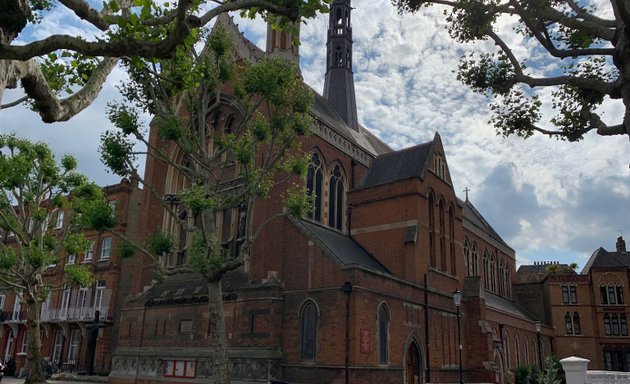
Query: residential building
point(72, 336)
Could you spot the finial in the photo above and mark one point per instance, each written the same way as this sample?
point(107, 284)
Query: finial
point(466, 190)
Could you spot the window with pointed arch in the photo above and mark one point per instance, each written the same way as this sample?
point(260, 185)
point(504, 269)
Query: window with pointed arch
point(501, 286)
point(442, 236)
point(572, 323)
point(526, 350)
point(451, 239)
point(308, 331)
point(432, 230)
point(383, 334)
point(177, 219)
point(486, 269)
point(336, 197)
point(517, 350)
point(315, 185)
point(467, 260)
point(473, 258)
point(506, 348)
point(493, 273)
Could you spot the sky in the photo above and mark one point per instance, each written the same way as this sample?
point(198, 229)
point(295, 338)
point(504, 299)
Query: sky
point(549, 200)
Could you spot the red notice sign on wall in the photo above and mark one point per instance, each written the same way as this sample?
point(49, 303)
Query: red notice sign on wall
point(180, 368)
point(365, 341)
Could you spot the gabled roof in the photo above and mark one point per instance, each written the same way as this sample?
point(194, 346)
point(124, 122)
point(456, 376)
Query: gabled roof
point(472, 215)
point(602, 258)
point(399, 165)
point(341, 248)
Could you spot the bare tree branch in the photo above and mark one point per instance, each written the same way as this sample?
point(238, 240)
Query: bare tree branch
point(14, 103)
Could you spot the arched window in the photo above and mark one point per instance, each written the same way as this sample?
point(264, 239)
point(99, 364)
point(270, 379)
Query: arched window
point(506, 348)
point(314, 186)
point(493, 273)
point(431, 230)
point(442, 237)
point(216, 118)
point(526, 350)
point(568, 324)
point(308, 344)
point(383, 334)
point(451, 235)
point(517, 349)
point(473, 257)
point(228, 128)
point(500, 277)
point(467, 260)
point(486, 270)
point(576, 324)
point(336, 194)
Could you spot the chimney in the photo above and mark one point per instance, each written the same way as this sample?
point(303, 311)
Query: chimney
point(621, 245)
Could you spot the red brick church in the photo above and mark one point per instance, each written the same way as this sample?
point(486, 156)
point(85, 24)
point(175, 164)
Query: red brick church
point(359, 292)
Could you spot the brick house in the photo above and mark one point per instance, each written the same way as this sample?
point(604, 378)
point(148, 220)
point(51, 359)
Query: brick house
point(70, 310)
point(587, 310)
point(359, 292)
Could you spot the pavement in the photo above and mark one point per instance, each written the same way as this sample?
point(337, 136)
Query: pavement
point(13, 380)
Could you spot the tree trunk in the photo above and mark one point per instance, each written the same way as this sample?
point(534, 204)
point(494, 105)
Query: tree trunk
point(34, 371)
point(13, 19)
point(217, 333)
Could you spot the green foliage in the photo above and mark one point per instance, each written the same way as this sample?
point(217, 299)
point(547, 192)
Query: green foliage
point(487, 74)
point(117, 153)
point(75, 243)
point(126, 250)
point(516, 114)
point(298, 201)
point(204, 255)
point(553, 372)
point(79, 274)
point(526, 374)
point(160, 243)
point(93, 209)
point(471, 19)
point(123, 117)
point(198, 199)
point(66, 70)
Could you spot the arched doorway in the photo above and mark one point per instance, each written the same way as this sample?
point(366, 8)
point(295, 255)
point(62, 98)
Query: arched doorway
point(413, 371)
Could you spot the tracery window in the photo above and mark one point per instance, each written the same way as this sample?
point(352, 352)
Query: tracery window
point(314, 185)
point(383, 334)
point(473, 257)
point(336, 194)
point(451, 234)
point(432, 230)
point(467, 260)
point(572, 323)
point(308, 330)
point(442, 237)
point(486, 270)
point(615, 324)
point(611, 294)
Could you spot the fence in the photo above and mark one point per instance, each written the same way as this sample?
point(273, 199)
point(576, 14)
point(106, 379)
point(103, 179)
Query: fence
point(576, 372)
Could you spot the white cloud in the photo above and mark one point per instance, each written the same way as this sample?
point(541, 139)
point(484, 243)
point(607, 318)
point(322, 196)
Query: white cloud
point(547, 198)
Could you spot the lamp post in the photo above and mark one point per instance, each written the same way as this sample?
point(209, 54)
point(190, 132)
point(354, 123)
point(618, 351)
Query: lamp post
point(540, 359)
point(457, 298)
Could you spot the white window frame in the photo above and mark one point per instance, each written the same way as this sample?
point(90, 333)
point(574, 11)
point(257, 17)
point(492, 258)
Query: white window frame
point(66, 295)
point(106, 246)
point(73, 348)
point(82, 301)
point(72, 259)
point(58, 347)
point(59, 219)
point(89, 252)
point(17, 305)
point(99, 295)
point(24, 346)
point(2, 300)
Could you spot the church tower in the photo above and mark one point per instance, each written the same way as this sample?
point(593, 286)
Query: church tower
point(339, 84)
point(281, 43)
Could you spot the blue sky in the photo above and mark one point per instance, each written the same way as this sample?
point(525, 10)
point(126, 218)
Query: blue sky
point(550, 200)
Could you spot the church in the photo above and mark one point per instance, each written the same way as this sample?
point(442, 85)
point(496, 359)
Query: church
point(390, 279)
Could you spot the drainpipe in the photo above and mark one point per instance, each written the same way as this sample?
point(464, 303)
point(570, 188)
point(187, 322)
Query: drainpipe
point(426, 328)
point(347, 289)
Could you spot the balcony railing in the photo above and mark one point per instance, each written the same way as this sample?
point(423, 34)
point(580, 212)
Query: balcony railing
point(76, 312)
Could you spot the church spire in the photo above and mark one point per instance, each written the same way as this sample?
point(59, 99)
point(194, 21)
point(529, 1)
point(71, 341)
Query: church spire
point(339, 84)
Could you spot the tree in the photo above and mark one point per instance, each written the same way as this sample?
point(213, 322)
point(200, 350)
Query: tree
point(76, 67)
point(215, 171)
point(586, 47)
point(34, 190)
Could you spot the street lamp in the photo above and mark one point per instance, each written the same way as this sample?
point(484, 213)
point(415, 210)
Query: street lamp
point(457, 298)
point(540, 360)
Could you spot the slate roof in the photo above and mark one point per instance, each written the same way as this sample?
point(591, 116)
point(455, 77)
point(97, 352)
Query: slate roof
point(505, 305)
point(602, 258)
point(472, 215)
point(399, 165)
point(365, 139)
point(183, 288)
point(341, 248)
